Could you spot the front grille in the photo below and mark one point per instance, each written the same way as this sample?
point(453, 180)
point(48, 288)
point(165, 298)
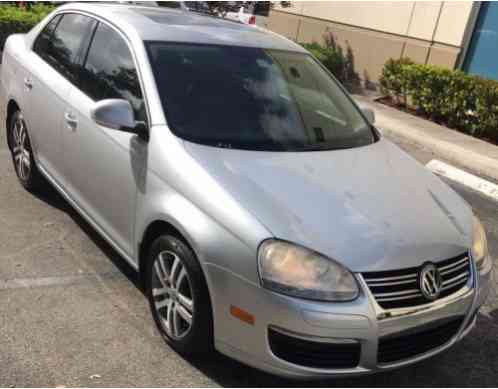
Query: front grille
point(397, 348)
point(314, 354)
point(400, 288)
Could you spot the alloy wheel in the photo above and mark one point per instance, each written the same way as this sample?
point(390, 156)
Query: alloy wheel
point(21, 149)
point(172, 295)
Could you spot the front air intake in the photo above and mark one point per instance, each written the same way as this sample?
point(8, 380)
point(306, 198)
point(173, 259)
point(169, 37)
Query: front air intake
point(409, 345)
point(323, 355)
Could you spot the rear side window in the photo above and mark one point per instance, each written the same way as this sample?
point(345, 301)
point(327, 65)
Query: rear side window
point(109, 71)
point(65, 43)
point(43, 41)
point(169, 4)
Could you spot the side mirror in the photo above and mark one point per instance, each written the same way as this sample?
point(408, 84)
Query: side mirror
point(118, 115)
point(369, 114)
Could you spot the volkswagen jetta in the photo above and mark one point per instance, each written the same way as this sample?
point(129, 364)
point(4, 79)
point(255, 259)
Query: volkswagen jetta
point(267, 216)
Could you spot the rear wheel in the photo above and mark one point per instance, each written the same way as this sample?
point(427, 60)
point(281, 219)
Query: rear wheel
point(22, 153)
point(178, 296)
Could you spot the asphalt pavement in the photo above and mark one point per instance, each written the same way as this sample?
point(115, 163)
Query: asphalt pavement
point(72, 314)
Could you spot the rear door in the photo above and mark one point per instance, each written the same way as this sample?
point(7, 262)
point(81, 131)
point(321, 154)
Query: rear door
point(103, 166)
point(52, 69)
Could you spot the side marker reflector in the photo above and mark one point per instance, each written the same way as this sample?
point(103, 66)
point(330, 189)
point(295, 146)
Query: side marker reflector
point(240, 314)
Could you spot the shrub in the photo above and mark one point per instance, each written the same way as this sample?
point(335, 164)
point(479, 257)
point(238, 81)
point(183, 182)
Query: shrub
point(392, 82)
point(465, 102)
point(14, 19)
point(333, 58)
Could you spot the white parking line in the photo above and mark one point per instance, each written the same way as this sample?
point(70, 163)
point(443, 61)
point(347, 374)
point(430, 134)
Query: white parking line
point(19, 283)
point(478, 184)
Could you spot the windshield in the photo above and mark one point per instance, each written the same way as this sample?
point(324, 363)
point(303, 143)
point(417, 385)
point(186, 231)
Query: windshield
point(254, 99)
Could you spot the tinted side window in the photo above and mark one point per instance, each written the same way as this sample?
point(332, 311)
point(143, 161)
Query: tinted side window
point(63, 51)
point(109, 71)
point(169, 4)
point(43, 41)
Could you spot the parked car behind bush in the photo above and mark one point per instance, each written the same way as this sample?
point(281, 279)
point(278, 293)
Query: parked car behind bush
point(465, 102)
point(14, 19)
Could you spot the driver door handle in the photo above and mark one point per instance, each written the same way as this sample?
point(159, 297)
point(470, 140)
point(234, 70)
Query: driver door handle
point(71, 120)
point(28, 83)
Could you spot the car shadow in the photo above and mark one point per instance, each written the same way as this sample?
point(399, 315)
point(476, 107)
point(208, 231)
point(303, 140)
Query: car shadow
point(52, 197)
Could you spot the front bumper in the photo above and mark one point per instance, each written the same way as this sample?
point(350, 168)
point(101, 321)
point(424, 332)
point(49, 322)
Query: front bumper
point(361, 321)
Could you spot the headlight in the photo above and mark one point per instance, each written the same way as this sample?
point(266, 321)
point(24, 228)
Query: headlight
point(296, 271)
point(479, 245)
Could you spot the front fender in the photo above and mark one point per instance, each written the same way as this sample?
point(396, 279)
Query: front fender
point(218, 250)
point(212, 242)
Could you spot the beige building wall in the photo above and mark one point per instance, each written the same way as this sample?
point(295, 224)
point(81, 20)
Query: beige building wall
point(428, 32)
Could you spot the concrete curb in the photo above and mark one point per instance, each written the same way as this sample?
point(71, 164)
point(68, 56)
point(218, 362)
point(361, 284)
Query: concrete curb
point(468, 152)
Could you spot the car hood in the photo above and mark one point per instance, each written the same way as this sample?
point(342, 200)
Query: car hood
point(370, 208)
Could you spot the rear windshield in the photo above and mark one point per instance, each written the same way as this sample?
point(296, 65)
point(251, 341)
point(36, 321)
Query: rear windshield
point(254, 99)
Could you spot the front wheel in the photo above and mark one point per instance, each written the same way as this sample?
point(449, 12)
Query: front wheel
point(178, 296)
point(22, 153)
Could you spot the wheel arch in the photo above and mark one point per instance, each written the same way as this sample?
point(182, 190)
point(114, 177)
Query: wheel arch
point(153, 230)
point(12, 107)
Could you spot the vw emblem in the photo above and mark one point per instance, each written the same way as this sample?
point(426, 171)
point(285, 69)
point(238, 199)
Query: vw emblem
point(430, 282)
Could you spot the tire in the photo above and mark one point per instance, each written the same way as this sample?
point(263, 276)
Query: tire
point(22, 153)
point(173, 300)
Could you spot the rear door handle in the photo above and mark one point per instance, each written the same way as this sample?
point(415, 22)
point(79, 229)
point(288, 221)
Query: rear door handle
point(28, 83)
point(71, 120)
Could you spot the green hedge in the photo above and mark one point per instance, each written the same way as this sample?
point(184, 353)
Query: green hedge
point(14, 19)
point(451, 97)
point(333, 58)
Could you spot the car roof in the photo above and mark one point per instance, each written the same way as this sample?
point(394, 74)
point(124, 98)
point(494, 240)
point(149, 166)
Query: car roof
point(171, 25)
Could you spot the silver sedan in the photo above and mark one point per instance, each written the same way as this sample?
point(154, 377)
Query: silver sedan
point(267, 216)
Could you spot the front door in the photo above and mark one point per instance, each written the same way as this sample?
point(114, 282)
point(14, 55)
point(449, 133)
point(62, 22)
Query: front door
point(103, 166)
